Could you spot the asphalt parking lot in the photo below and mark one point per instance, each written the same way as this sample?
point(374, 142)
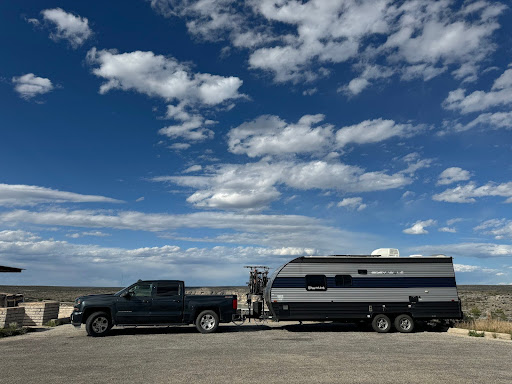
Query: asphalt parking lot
point(274, 353)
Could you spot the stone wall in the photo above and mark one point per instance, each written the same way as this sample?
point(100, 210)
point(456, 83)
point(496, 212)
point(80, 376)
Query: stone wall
point(39, 313)
point(11, 315)
point(65, 311)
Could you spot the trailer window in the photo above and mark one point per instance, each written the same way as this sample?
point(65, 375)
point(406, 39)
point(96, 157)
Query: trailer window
point(343, 280)
point(362, 271)
point(316, 283)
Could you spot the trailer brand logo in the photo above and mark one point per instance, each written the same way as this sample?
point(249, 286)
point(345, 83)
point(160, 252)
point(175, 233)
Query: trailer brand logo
point(316, 288)
point(387, 272)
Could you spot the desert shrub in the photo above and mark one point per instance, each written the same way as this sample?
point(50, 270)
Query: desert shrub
point(475, 333)
point(499, 315)
point(12, 330)
point(52, 323)
point(475, 312)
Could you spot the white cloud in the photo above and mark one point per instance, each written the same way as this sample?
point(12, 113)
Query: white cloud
point(270, 135)
point(353, 203)
point(465, 268)
point(499, 95)
point(373, 131)
point(30, 85)
point(484, 121)
point(179, 146)
point(274, 231)
point(20, 195)
point(479, 250)
point(166, 78)
point(470, 192)
point(193, 168)
point(454, 220)
point(77, 235)
point(499, 228)
point(298, 41)
point(452, 175)
point(447, 229)
point(418, 228)
point(74, 29)
point(139, 199)
point(254, 185)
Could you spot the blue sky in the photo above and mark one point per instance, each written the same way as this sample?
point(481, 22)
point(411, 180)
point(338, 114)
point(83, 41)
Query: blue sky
point(186, 139)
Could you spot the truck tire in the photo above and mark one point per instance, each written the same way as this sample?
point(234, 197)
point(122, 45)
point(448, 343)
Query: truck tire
point(381, 324)
point(98, 324)
point(404, 323)
point(207, 321)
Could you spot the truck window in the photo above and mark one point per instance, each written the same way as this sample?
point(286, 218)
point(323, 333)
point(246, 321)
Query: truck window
point(343, 280)
point(168, 289)
point(316, 283)
point(142, 290)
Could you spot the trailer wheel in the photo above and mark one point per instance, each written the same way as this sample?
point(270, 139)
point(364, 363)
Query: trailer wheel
point(98, 324)
point(381, 324)
point(207, 321)
point(404, 323)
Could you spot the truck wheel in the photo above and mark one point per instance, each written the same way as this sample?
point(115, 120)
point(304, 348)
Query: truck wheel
point(207, 321)
point(404, 323)
point(381, 324)
point(98, 324)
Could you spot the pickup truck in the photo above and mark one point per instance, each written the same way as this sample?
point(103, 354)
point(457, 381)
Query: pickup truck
point(155, 302)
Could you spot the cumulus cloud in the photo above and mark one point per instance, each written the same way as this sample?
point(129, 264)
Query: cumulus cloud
point(168, 79)
point(26, 195)
point(270, 135)
point(30, 85)
point(254, 185)
point(418, 228)
point(77, 235)
point(67, 26)
point(500, 95)
point(470, 192)
point(447, 229)
point(298, 41)
point(353, 203)
point(193, 168)
point(453, 175)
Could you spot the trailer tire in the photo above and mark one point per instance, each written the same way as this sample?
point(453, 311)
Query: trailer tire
point(98, 324)
point(404, 323)
point(207, 321)
point(381, 324)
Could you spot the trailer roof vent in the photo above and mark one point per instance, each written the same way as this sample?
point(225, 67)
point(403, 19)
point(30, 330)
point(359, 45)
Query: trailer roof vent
point(386, 252)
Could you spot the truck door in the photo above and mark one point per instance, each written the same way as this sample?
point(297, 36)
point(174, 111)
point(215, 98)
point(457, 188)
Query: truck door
point(167, 304)
point(136, 307)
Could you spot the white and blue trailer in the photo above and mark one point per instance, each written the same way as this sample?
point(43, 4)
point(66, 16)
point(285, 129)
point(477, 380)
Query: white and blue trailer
point(381, 288)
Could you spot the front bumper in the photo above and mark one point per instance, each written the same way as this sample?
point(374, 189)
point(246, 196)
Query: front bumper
point(76, 319)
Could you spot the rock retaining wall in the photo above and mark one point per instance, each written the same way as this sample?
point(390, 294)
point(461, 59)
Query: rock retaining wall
point(39, 313)
point(11, 315)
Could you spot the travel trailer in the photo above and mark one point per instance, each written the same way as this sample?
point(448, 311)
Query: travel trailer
point(383, 289)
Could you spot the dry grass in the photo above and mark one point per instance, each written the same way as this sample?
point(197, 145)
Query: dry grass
point(487, 325)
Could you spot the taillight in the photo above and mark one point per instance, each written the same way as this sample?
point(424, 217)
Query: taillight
point(235, 304)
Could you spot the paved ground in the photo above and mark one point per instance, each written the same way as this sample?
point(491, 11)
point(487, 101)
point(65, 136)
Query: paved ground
point(312, 353)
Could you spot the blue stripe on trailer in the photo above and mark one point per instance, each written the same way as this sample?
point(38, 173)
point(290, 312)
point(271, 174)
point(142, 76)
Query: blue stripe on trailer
point(371, 282)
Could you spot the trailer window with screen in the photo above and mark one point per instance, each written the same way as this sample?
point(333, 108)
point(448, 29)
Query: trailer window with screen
point(316, 283)
point(343, 280)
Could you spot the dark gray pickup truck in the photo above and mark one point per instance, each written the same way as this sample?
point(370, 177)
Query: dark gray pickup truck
point(156, 302)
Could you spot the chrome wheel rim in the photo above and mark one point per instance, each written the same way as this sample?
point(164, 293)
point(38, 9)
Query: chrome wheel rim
point(100, 324)
point(382, 324)
point(207, 322)
point(405, 324)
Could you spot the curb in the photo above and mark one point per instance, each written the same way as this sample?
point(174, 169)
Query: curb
point(487, 335)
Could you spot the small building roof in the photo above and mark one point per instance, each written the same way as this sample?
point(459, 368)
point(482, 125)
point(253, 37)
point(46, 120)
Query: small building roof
point(9, 269)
